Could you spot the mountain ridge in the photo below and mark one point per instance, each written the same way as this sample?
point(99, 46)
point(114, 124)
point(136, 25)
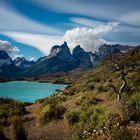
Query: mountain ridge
point(61, 60)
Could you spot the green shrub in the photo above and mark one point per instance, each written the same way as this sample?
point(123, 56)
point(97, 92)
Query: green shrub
point(3, 114)
point(3, 107)
point(96, 79)
point(111, 96)
point(10, 108)
point(101, 89)
point(17, 109)
point(6, 100)
point(135, 107)
point(17, 130)
point(51, 112)
point(89, 120)
point(54, 99)
point(72, 117)
point(121, 134)
point(136, 82)
point(131, 108)
point(78, 131)
point(98, 118)
point(90, 87)
point(49, 100)
point(72, 91)
point(79, 100)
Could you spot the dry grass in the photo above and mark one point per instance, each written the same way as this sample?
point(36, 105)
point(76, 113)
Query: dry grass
point(53, 131)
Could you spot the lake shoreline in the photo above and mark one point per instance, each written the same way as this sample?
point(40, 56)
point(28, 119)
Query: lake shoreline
point(49, 80)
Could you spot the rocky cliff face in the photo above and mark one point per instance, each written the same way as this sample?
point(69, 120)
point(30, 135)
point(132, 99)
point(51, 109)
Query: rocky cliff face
point(7, 67)
point(59, 60)
point(82, 57)
point(62, 52)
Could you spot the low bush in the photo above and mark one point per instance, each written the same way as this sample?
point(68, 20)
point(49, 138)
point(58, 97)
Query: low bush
point(89, 87)
point(51, 112)
point(98, 118)
point(121, 134)
point(54, 99)
point(17, 109)
point(49, 100)
point(131, 108)
point(6, 100)
point(10, 108)
point(134, 106)
point(101, 89)
point(96, 79)
point(111, 96)
point(17, 130)
point(72, 117)
point(79, 100)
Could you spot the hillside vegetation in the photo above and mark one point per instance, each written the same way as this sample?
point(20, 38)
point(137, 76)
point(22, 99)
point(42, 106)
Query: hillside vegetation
point(89, 108)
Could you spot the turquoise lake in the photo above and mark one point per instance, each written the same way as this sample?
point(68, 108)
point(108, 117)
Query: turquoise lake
point(28, 91)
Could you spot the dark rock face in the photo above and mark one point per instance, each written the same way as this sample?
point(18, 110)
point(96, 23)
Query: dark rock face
point(22, 63)
point(7, 67)
point(82, 57)
point(59, 60)
point(62, 52)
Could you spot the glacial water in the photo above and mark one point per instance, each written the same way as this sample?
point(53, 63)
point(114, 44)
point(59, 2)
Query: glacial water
point(28, 91)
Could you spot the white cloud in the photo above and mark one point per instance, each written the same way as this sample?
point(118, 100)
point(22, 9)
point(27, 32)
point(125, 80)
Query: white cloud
point(11, 50)
point(89, 38)
point(32, 58)
point(86, 22)
point(132, 18)
point(110, 10)
point(75, 7)
point(12, 20)
point(38, 41)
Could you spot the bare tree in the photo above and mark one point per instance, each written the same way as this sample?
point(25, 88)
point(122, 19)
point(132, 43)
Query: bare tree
point(124, 69)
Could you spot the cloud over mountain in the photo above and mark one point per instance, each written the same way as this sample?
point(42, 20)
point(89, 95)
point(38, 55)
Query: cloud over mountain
point(11, 50)
point(89, 38)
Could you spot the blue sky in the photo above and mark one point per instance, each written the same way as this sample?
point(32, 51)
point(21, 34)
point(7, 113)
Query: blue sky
point(34, 26)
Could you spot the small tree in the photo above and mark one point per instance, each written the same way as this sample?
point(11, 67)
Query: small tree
point(124, 65)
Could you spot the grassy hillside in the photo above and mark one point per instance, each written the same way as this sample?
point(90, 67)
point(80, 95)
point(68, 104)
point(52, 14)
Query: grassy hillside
point(88, 108)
